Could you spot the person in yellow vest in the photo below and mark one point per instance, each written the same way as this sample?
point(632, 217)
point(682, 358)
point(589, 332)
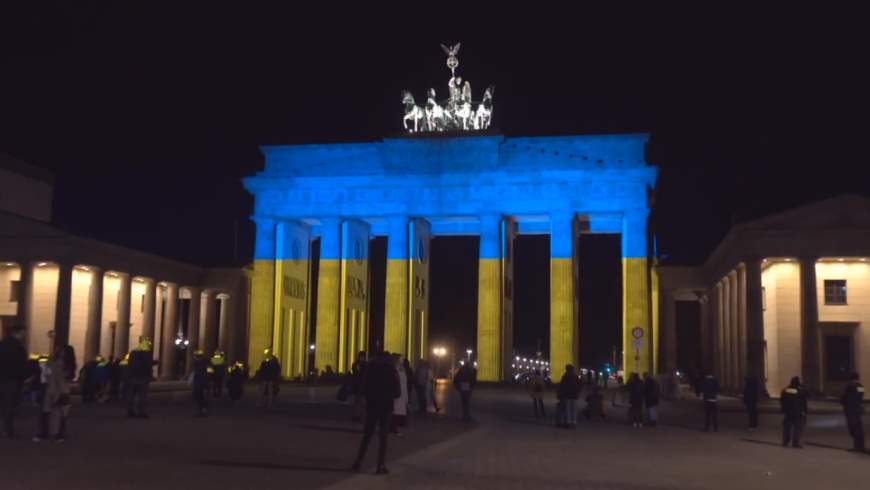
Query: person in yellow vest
point(852, 399)
point(793, 402)
point(219, 371)
point(236, 381)
point(270, 375)
point(139, 376)
point(199, 382)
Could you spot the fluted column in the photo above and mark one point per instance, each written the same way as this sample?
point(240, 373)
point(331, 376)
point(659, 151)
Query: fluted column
point(63, 302)
point(329, 295)
point(741, 323)
point(149, 309)
point(122, 330)
point(754, 322)
point(25, 296)
point(95, 316)
point(720, 331)
point(706, 363)
point(193, 314)
point(224, 322)
point(397, 286)
point(262, 291)
point(734, 329)
point(669, 309)
point(208, 335)
point(635, 295)
point(810, 365)
point(170, 327)
point(489, 300)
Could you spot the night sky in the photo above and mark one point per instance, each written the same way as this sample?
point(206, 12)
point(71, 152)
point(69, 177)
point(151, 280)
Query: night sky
point(150, 116)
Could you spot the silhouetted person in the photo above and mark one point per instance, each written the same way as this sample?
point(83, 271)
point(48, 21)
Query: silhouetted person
point(199, 382)
point(236, 381)
point(793, 402)
point(709, 390)
point(536, 391)
point(464, 382)
point(56, 401)
point(269, 375)
point(567, 393)
point(594, 404)
point(381, 387)
point(421, 385)
point(88, 381)
point(635, 389)
point(13, 372)
point(851, 400)
point(139, 375)
point(357, 375)
point(651, 398)
point(219, 371)
point(114, 378)
point(750, 400)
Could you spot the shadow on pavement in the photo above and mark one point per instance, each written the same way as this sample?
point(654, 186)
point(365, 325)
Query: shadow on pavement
point(326, 428)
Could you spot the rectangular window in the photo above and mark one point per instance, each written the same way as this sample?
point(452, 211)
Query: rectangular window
point(835, 292)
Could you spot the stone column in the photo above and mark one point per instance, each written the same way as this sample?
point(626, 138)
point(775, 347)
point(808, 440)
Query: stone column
point(62, 305)
point(563, 305)
point(95, 316)
point(170, 327)
point(705, 363)
point(720, 331)
point(25, 297)
point(149, 309)
point(741, 324)
point(726, 330)
point(192, 328)
point(397, 286)
point(329, 295)
point(734, 330)
point(122, 330)
point(635, 295)
point(669, 311)
point(754, 322)
point(224, 322)
point(208, 335)
point(262, 292)
point(489, 332)
point(810, 365)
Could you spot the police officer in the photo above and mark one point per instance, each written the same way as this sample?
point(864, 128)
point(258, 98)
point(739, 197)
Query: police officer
point(199, 382)
point(139, 376)
point(793, 402)
point(236, 381)
point(851, 400)
point(219, 370)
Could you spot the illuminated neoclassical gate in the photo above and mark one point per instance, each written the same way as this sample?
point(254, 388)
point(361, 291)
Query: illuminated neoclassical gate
point(409, 189)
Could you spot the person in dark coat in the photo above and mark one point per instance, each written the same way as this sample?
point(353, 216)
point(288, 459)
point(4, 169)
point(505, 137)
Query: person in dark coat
point(568, 392)
point(635, 389)
point(594, 404)
point(13, 372)
point(200, 382)
point(464, 382)
point(88, 381)
point(380, 388)
point(750, 400)
point(852, 400)
point(114, 374)
point(269, 374)
point(410, 379)
point(219, 371)
point(709, 389)
point(651, 398)
point(357, 375)
point(236, 376)
point(139, 376)
point(793, 402)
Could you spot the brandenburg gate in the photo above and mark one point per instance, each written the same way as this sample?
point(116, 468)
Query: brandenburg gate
point(410, 189)
point(450, 176)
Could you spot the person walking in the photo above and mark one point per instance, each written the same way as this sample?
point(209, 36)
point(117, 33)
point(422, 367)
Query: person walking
point(635, 388)
point(852, 399)
point(13, 373)
point(139, 376)
point(750, 401)
point(381, 387)
point(536, 391)
point(218, 366)
point(568, 392)
point(410, 378)
point(199, 382)
point(793, 403)
point(651, 391)
point(709, 390)
point(236, 376)
point(56, 401)
point(464, 381)
point(400, 404)
point(269, 374)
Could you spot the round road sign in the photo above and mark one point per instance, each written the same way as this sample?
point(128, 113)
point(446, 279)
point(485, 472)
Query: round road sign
point(637, 332)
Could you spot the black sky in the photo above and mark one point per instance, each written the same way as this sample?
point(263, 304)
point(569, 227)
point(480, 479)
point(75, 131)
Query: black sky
point(149, 115)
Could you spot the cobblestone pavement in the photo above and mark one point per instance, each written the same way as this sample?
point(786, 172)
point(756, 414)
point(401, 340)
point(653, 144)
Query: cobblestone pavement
point(308, 442)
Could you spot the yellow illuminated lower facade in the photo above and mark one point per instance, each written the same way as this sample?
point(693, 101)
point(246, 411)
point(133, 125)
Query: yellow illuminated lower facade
point(563, 325)
point(328, 315)
point(489, 328)
point(637, 338)
point(396, 306)
point(261, 310)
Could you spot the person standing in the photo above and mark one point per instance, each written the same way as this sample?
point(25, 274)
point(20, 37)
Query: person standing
point(236, 375)
point(56, 402)
point(594, 404)
point(422, 386)
point(199, 382)
point(568, 392)
point(139, 376)
point(536, 391)
point(750, 401)
point(381, 387)
point(219, 371)
point(635, 388)
point(651, 398)
point(464, 381)
point(709, 390)
point(269, 374)
point(793, 402)
point(400, 404)
point(13, 372)
point(852, 400)
point(357, 375)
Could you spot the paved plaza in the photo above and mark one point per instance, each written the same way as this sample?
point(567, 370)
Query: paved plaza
point(309, 442)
